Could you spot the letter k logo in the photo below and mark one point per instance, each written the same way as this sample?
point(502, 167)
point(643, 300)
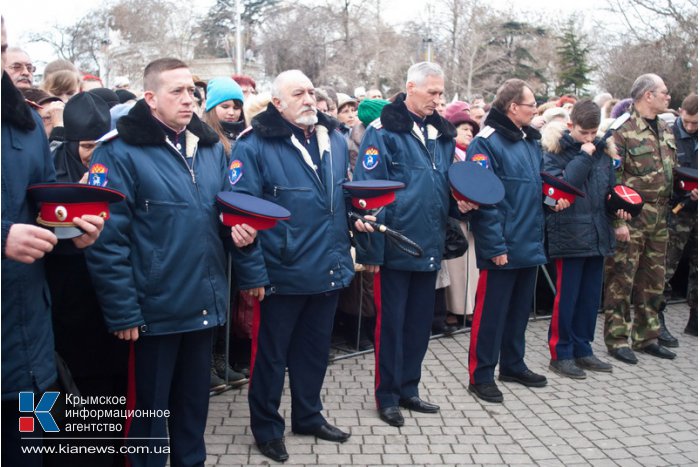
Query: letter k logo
point(41, 412)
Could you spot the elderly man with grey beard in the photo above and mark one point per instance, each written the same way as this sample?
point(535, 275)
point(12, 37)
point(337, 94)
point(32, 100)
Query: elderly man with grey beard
point(293, 156)
point(19, 68)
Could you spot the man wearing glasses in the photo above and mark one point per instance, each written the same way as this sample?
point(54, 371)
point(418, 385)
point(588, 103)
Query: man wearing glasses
point(509, 240)
point(19, 68)
point(635, 274)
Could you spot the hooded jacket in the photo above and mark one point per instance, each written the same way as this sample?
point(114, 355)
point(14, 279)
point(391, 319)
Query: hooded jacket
point(27, 340)
point(310, 252)
point(160, 262)
point(584, 229)
point(515, 226)
point(394, 148)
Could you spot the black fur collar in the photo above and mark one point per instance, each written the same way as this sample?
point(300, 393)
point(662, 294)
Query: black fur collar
point(395, 117)
point(140, 128)
point(15, 110)
point(270, 124)
point(505, 126)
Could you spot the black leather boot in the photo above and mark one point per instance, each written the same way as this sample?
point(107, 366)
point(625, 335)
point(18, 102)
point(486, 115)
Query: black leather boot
point(665, 337)
point(692, 327)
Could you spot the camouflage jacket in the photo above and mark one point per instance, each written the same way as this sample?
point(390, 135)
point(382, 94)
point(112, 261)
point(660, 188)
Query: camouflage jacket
point(647, 160)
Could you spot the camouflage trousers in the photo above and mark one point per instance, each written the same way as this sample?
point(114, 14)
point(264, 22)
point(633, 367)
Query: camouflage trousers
point(682, 231)
point(634, 277)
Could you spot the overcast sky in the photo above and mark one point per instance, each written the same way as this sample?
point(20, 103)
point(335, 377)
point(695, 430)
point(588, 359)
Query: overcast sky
point(39, 15)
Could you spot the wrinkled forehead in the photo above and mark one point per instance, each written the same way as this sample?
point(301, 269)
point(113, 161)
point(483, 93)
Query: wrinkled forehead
point(17, 56)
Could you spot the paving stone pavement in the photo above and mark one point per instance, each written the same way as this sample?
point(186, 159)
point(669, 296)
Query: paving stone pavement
point(640, 415)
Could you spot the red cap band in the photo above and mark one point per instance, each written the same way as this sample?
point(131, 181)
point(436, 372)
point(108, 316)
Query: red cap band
point(459, 196)
point(688, 185)
point(258, 223)
point(374, 203)
point(557, 194)
point(62, 214)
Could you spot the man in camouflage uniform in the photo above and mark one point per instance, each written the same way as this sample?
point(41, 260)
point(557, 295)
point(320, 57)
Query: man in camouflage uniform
point(683, 226)
point(635, 274)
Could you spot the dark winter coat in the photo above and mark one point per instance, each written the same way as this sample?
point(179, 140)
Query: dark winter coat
point(515, 226)
point(584, 229)
point(27, 341)
point(310, 252)
point(394, 148)
point(160, 261)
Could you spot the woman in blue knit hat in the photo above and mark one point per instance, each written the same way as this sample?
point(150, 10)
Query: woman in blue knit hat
point(224, 113)
point(224, 110)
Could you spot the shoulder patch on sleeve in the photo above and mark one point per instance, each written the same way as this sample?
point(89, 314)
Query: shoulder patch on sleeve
point(110, 135)
point(235, 171)
point(370, 159)
point(480, 159)
point(486, 132)
point(98, 175)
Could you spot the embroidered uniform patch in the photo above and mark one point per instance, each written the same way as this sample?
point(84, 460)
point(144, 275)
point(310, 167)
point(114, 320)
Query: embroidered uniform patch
point(235, 171)
point(481, 159)
point(616, 163)
point(98, 175)
point(371, 158)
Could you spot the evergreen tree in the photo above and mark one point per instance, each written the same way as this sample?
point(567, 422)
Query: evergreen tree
point(573, 61)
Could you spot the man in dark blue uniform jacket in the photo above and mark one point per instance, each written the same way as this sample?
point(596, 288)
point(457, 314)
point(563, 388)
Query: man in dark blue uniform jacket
point(509, 241)
point(293, 156)
point(412, 144)
point(28, 363)
point(160, 267)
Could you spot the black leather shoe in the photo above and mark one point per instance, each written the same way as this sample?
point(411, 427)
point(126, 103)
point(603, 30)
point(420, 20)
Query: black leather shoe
point(488, 392)
point(274, 449)
point(624, 354)
point(526, 378)
point(658, 351)
point(567, 368)
point(391, 415)
point(328, 432)
point(593, 363)
point(416, 404)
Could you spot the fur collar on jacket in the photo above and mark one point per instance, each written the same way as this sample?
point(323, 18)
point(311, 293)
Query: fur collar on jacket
point(505, 126)
point(15, 110)
point(396, 117)
point(271, 124)
point(553, 140)
point(140, 128)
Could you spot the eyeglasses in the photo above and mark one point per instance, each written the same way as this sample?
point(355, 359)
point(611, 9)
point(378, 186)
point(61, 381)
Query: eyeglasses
point(532, 106)
point(18, 67)
point(664, 92)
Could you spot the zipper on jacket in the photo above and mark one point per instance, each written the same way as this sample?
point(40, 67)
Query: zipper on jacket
point(187, 166)
point(432, 156)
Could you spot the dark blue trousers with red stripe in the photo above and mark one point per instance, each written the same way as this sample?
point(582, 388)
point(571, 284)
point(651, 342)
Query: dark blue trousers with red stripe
point(171, 373)
point(405, 308)
point(292, 331)
point(579, 285)
point(503, 304)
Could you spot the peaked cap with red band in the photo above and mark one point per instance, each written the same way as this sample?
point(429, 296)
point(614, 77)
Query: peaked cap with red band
point(239, 208)
point(372, 194)
point(472, 182)
point(554, 189)
point(61, 202)
point(686, 178)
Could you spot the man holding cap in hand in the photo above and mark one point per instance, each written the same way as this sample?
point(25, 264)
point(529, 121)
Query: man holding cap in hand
point(160, 269)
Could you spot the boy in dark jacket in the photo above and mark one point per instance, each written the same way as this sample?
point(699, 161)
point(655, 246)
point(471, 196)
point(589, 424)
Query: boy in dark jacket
point(579, 238)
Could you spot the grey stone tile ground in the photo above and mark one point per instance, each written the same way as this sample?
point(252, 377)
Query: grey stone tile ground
point(641, 415)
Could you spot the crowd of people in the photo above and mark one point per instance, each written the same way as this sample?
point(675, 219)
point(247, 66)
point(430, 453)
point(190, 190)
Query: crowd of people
point(164, 305)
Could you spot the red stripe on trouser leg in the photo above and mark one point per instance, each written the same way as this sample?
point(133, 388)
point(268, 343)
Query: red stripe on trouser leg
point(554, 323)
point(130, 394)
point(254, 335)
point(377, 329)
point(476, 320)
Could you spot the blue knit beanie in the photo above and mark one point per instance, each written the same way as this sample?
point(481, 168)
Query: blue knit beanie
point(221, 90)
